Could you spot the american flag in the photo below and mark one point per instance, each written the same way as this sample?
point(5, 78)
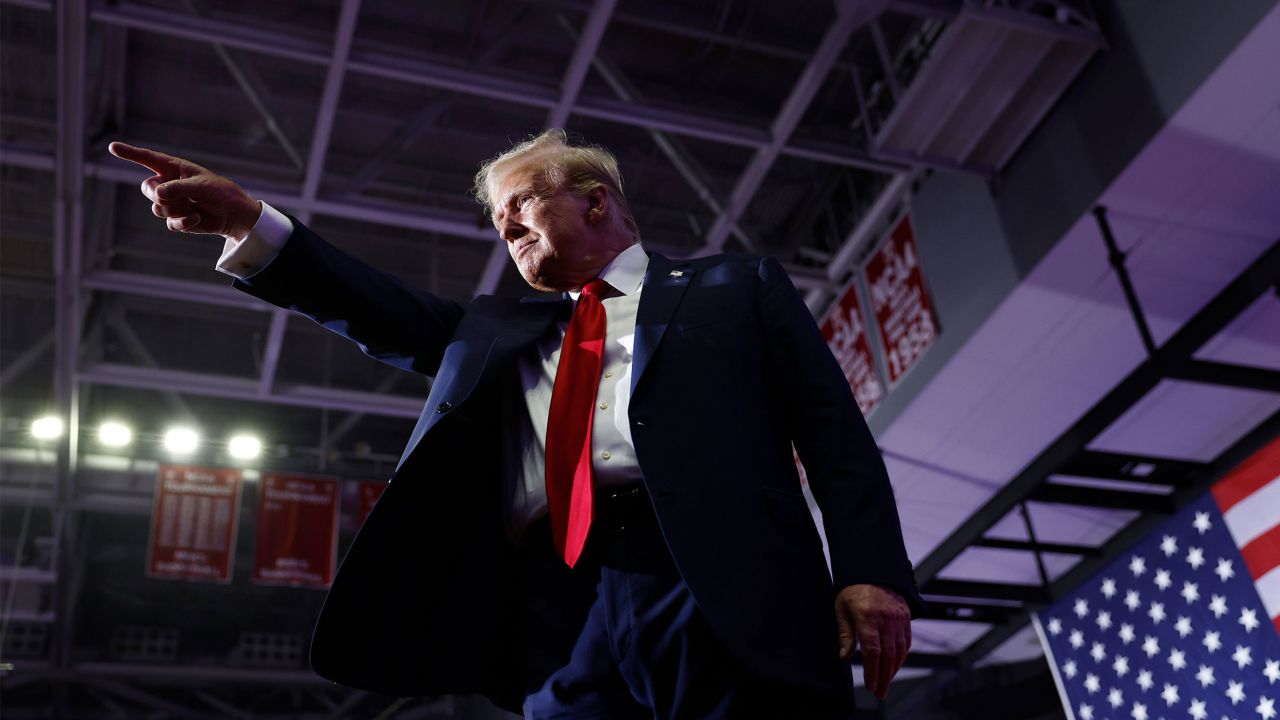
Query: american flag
point(1186, 624)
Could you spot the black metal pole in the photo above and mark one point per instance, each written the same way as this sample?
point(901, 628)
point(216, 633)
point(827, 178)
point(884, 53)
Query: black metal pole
point(1116, 257)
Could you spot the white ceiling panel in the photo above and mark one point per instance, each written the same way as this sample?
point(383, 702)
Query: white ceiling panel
point(1057, 523)
point(1005, 566)
point(1184, 420)
point(1252, 339)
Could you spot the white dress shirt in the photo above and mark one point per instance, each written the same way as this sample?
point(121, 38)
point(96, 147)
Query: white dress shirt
point(613, 452)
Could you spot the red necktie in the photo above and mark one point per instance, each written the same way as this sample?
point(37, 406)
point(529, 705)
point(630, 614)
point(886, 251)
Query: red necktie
point(573, 400)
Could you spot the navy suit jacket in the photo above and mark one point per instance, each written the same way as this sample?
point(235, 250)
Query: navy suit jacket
point(729, 370)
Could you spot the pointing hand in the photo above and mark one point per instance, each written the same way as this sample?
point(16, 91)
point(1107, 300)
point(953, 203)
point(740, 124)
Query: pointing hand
point(191, 198)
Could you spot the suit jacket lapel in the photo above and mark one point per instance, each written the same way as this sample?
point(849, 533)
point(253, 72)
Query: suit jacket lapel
point(518, 325)
point(664, 284)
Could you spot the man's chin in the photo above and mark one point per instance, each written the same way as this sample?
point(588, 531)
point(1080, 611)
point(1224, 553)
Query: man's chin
point(542, 284)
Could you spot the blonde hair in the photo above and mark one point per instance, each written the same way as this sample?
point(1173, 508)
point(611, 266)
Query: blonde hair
point(579, 168)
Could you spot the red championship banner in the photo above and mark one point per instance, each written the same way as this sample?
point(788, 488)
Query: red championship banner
point(900, 302)
point(193, 523)
point(297, 540)
point(367, 493)
point(846, 334)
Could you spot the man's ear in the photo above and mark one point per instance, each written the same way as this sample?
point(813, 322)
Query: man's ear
point(597, 204)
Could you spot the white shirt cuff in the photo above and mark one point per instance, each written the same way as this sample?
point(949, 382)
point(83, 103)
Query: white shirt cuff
point(243, 258)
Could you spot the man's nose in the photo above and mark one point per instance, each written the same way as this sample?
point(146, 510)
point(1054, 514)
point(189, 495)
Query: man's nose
point(511, 230)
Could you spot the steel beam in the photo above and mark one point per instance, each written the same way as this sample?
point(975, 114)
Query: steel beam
point(144, 698)
point(973, 612)
point(462, 225)
point(167, 288)
point(849, 16)
point(234, 388)
point(142, 355)
point(431, 111)
point(251, 86)
point(325, 116)
point(1038, 546)
point(396, 215)
point(1095, 497)
point(1129, 467)
point(16, 367)
point(68, 244)
point(1245, 377)
point(985, 590)
point(583, 53)
point(467, 82)
point(922, 660)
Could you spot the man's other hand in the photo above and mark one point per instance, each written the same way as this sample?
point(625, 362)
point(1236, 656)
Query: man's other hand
point(191, 198)
point(878, 620)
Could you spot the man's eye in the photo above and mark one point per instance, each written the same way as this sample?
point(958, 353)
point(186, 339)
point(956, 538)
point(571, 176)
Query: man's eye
point(524, 200)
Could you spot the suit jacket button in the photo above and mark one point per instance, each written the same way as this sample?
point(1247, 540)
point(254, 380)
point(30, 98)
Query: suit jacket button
point(444, 407)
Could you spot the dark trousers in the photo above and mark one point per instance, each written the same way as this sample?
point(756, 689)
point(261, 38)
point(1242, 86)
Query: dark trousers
point(620, 637)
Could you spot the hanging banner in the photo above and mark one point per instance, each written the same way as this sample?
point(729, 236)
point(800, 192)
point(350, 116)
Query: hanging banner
point(367, 493)
point(194, 516)
point(846, 335)
point(900, 303)
point(297, 539)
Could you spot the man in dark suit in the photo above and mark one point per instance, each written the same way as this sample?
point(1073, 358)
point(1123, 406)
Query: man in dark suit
point(598, 513)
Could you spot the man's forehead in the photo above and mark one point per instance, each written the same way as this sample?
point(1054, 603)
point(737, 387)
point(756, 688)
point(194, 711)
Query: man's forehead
point(507, 178)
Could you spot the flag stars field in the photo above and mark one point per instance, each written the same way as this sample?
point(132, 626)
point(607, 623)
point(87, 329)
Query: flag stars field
point(1196, 643)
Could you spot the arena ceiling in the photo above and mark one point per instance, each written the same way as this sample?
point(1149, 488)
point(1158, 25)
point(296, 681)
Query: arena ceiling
point(740, 125)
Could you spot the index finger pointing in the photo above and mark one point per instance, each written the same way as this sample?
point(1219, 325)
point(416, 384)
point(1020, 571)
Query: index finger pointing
point(157, 162)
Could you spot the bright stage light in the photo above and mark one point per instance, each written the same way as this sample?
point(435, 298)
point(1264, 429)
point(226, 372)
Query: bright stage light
point(114, 434)
point(181, 440)
point(244, 447)
point(48, 427)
